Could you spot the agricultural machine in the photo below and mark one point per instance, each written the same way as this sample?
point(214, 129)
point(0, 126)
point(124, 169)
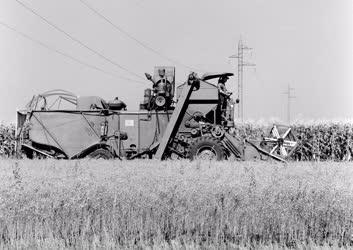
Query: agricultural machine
point(193, 120)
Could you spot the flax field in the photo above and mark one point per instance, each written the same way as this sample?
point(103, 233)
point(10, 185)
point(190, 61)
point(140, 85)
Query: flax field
point(90, 204)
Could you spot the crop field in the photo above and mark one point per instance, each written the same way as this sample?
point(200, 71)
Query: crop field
point(175, 204)
point(307, 203)
point(318, 140)
point(7, 140)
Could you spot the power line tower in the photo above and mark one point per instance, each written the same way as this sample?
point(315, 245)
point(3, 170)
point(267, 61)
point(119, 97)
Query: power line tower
point(241, 64)
point(289, 97)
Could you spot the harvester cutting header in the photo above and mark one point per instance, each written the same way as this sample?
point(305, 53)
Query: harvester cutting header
point(194, 120)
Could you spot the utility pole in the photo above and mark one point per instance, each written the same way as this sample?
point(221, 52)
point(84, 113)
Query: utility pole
point(289, 97)
point(241, 65)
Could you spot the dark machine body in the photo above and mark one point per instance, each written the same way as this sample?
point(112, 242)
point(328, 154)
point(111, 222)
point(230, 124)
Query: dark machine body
point(193, 121)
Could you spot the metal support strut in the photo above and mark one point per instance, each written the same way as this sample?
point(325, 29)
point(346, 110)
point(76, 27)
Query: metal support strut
point(177, 115)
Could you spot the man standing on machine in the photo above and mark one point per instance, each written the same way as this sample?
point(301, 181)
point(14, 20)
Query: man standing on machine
point(224, 94)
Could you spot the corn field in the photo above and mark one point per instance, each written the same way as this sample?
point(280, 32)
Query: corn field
point(318, 141)
point(92, 204)
point(7, 140)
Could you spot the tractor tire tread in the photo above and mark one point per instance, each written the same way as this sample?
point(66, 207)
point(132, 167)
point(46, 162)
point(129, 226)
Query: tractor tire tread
point(208, 141)
point(103, 153)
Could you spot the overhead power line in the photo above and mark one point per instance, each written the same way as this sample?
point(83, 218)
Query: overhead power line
point(78, 41)
point(142, 44)
point(65, 54)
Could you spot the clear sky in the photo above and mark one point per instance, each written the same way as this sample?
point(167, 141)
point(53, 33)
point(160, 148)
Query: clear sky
point(305, 43)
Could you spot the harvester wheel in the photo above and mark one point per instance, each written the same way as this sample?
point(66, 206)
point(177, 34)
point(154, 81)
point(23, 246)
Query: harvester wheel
point(101, 153)
point(206, 148)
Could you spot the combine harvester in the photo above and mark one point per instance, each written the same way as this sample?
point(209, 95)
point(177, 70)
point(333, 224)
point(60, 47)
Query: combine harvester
point(198, 124)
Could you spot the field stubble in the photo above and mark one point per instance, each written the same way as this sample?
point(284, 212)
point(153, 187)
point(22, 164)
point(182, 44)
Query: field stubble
point(58, 204)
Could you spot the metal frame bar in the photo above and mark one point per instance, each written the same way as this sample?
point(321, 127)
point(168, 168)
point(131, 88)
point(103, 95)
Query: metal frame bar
point(176, 118)
point(37, 150)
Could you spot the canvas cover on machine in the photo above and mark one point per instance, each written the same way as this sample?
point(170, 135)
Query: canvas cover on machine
point(207, 91)
point(90, 102)
point(71, 132)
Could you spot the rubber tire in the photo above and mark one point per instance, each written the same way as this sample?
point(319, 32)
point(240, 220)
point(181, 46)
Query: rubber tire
point(207, 141)
point(101, 153)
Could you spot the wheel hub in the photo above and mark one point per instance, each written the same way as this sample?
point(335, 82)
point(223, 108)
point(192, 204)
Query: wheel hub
point(206, 154)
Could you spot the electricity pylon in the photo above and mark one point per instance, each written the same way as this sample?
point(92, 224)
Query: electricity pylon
point(289, 97)
point(241, 65)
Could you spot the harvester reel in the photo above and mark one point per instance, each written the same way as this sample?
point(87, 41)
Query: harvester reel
point(281, 145)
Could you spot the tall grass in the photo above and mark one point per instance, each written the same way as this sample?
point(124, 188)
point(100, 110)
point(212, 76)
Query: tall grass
point(113, 204)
